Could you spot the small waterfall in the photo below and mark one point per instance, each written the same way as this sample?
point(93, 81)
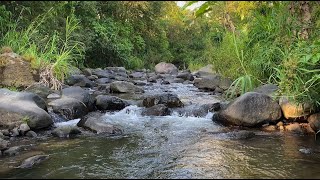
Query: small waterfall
point(56, 118)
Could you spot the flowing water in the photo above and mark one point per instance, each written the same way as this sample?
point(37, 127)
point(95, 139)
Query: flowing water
point(175, 146)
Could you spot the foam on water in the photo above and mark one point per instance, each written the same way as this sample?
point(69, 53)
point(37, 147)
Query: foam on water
point(73, 122)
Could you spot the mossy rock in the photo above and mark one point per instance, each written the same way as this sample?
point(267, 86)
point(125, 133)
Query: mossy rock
point(15, 71)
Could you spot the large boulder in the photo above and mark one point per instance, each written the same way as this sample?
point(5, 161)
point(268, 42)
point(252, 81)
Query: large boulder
point(156, 110)
point(39, 89)
point(205, 71)
point(69, 108)
point(19, 107)
point(268, 89)
point(291, 110)
point(94, 121)
point(80, 94)
point(104, 102)
point(166, 68)
point(79, 80)
point(212, 82)
point(125, 87)
point(168, 99)
point(250, 109)
point(314, 121)
point(14, 71)
point(199, 111)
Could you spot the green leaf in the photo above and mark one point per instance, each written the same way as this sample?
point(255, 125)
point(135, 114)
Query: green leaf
point(202, 9)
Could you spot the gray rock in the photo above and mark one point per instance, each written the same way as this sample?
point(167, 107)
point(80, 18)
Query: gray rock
point(102, 73)
point(186, 76)
point(15, 132)
point(205, 71)
point(24, 128)
point(104, 102)
point(69, 108)
point(65, 131)
point(211, 82)
point(168, 99)
point(139, 83)
point(198, 111)
point(156, 110)
point(80, 94)
point(164, 82)
point(92, 77)
point(12, 151)
point(94, 121)
point(166, 68)
point(137, 75)
point(3, 144)
point(87, 71)
point(178, 80)
point(268, 89)
point(40, 90)
point(1, 135)
point(241, 134)
point(5, 132)
point(125, 87)
point(79, 80)
point(31, 134)
point(117, 69)
point(250, 109)
point(34, 160)
point(103, 81)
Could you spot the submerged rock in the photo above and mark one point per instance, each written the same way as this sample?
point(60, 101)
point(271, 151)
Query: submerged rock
point(34, 160)
point(250, 109)
point(156, 110)
point(94, 121)
point(294, 127)
point(314, 121)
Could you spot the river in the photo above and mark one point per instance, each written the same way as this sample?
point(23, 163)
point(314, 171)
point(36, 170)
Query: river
point(175, 147)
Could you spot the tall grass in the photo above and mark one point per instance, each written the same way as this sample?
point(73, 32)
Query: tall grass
point(55, 54)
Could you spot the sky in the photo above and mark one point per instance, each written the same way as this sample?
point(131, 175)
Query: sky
point(193, 6)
